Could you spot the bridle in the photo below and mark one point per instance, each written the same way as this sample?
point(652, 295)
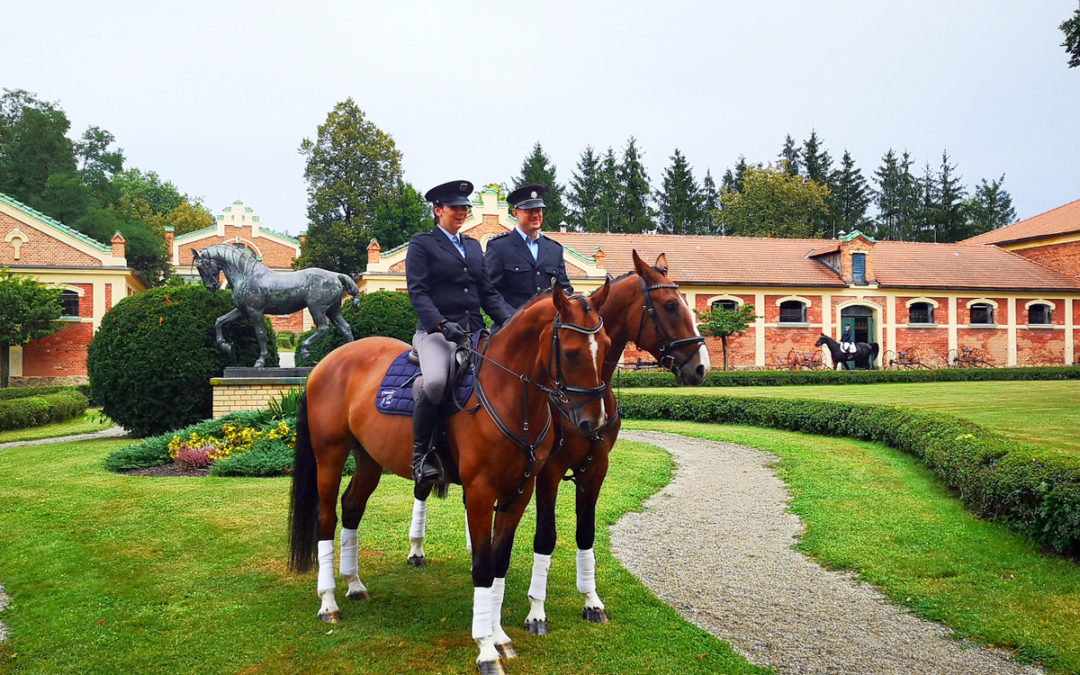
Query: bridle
point(667, 345)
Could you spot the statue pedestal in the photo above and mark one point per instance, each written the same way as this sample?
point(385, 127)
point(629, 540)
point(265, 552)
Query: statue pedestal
point(252, 388)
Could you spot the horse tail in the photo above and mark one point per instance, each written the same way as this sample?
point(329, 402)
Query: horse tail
point(304, 502)
point(349, 285)
point(874, 349)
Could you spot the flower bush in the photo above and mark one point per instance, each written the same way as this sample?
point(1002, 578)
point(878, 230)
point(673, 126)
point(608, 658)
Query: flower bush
point(235, 439)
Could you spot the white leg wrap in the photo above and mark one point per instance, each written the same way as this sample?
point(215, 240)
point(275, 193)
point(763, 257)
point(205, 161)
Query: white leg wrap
point(538, 586)
point(498, 588)
point(586, 571)
point(349, 546)
point(481, 613)
point(419, 520)
point(326, 566)
point(468, 537)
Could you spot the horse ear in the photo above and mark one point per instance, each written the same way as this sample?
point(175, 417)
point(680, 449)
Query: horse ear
point(661, 263)
point(562, 306)
point(597, 299)
point(195, 253)
point(643, 270)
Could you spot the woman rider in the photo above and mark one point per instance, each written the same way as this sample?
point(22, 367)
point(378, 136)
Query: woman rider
point(447, 287)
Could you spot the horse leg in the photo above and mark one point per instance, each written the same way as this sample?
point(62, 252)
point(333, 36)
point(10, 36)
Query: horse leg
point(322, 327)
point(481, 508)
point(329, 482)
point(506, 523)
point(342, 325)
point(221, 321)
point(589, 484)
point(418, 526)
point(353, 503)
point(260, 336)
point(547, 490)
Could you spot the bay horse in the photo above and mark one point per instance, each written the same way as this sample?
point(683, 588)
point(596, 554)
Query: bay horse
point(259, 290)
point(644, 307)
point(554, 347)
point(863, 357)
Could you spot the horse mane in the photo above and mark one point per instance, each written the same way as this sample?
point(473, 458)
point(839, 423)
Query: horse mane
point(227, 253)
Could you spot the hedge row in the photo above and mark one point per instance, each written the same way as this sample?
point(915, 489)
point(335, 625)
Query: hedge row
point(1034, 491)
point(33, 411)
point(759, 378)
point(9, 393)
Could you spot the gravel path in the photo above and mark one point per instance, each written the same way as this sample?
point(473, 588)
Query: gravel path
point(111, 432)
point(728, 566)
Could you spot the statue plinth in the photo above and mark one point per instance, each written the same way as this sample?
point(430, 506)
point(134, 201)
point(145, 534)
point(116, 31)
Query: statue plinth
point(252, 388)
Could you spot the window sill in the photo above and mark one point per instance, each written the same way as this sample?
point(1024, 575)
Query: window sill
point(1042, 326)
point(922, 325)
point(983, 325)
point(792, 324)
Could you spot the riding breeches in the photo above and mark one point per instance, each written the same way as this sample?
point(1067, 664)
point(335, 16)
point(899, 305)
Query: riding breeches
point(434, 352)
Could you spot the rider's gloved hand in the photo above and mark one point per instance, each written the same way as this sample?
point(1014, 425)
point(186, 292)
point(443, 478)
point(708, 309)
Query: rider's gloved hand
point(453, 331)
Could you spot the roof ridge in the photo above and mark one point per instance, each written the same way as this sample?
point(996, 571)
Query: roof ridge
point(30, 211)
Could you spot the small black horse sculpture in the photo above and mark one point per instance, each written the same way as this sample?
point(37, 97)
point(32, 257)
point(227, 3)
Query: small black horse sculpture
point(259, 290)
point(863, 356)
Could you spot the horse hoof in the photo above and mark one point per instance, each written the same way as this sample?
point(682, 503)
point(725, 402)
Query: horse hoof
point(537, 626)
point(490, 667)
point(594, 614)
point(358, 595)
point(506, 651)
point(417, 561)
point(331, 617)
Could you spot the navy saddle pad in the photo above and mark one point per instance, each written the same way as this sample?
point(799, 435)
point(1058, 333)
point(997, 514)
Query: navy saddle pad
point(395, 395)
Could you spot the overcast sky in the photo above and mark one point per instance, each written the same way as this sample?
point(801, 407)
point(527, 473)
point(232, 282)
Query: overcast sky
point(216, 96)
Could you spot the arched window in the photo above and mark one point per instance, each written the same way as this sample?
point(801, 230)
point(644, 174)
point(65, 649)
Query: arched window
point(982, 313)
point(1040, 315)
point(792, 311)
point(69, 304)
point(729, 305)
point(921, 312)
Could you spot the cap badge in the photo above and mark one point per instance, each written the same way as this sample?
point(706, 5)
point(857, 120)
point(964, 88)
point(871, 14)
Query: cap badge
point(533, 195)
point(464, 187)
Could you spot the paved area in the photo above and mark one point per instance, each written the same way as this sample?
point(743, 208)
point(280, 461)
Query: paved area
point(111, 432)
point(727, 564)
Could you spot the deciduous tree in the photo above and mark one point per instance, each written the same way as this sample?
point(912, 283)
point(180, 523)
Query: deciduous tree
point(1071, 29)
point(28, 311)
point(398, 218)
point(773, 203)
point(723, 323)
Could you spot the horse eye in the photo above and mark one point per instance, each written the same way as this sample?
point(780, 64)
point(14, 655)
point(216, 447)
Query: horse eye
point(573, 355)
point(672, 307)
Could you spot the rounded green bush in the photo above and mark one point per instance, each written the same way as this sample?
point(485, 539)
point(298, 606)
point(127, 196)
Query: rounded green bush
point(151, 361)
point(34, 411)
point(380, 313)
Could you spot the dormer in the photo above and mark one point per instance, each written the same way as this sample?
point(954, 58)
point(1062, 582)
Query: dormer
point(856, 259)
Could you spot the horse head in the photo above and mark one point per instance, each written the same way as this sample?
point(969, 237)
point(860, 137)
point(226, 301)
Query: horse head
point(666, 327)
point(575, 361)
point(823, 340)
point(209, 270)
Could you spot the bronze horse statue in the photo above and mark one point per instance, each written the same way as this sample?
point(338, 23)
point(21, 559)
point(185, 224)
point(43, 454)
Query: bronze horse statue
point(863, 356)
point(258, 290)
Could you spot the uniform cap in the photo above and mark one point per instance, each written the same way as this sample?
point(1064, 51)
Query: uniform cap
point(454, 193)
point(528, 197)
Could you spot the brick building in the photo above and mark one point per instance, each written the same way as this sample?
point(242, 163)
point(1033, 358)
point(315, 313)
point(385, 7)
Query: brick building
point(238, 225)
point(935, 297)
point(94, 276)
point(1051, 238)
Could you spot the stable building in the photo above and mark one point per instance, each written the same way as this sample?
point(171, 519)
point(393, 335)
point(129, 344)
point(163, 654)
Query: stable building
point(941, 299)
point(1051, 239)
point(95, 276)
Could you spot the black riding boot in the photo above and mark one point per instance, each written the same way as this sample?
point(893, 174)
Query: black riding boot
point(426, 467)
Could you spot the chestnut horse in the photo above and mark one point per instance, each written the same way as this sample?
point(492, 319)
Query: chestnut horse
point(552, 348)
point(645, 307)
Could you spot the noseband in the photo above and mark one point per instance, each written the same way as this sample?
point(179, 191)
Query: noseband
point(665, 342)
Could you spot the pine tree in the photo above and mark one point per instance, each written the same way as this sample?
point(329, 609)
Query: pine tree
point(850, 198)
point(732, 181)
point(711, 202)
point(927, 216)
point(909, 198)
point(635, 212)
point(537, 169)
point(607, 218)
point(888, 197)
point(680, 204)
point(817, 166)
point(988, 209)
point(789, 156)
point(584, 194)
point(951, 216)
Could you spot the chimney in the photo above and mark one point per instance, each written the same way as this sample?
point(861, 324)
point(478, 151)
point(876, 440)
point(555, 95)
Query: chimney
point(373, 252)
point(118, 246)
point(169, 234)
point(599, 256)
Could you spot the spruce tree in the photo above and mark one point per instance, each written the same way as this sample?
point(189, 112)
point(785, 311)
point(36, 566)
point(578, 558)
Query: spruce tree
point(789, 156)
point(607, 218)
point(909, 198)
point(951, 216)
point(584, 194)
point(538, 169)
point(635, 195)
point(680, 204)
point(988, 209)
point(888, 197)
point(817, 166)
point(850, 198)
point(711, 202)
point(927, 216)
point(732, 181)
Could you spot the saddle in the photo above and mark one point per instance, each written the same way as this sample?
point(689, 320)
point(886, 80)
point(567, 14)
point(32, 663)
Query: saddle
point(402, 383)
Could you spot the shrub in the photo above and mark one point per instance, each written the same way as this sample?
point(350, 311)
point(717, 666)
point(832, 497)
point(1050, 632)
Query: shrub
point(774, 378)
point(286, 339)
point(194, 457)
point(155, 451)
point(33, 411)
point(151, 361)
point(380, 313)
point(1034, 491)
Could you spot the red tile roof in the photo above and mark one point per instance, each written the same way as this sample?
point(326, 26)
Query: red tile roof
point(756, 261)
point(1062, 220)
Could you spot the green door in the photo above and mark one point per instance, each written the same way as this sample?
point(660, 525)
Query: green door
point(861, 320)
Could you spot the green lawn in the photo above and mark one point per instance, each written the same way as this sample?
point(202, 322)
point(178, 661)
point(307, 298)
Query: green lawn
point(88, 423)
point(1042, 413)
point(110, 573)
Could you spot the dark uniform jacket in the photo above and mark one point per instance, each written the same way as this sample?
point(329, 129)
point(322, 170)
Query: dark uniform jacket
point(514, 273)
point(443, 286)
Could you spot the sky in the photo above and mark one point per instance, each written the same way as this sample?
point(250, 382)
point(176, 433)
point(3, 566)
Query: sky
point(217, 96)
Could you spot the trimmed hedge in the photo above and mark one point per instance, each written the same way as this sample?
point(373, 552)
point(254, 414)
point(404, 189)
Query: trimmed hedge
point(1034, 491)
point(33, 411)
point(9, 393)
point(774, 378)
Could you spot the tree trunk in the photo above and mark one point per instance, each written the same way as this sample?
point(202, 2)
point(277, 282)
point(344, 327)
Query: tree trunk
point(5, 367)
point(723, 341)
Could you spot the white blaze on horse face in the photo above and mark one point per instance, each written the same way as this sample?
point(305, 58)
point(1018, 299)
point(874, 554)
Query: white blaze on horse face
point(594, 347)
point(703, 354)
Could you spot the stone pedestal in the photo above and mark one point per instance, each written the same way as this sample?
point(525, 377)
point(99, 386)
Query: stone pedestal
point(252, 388)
